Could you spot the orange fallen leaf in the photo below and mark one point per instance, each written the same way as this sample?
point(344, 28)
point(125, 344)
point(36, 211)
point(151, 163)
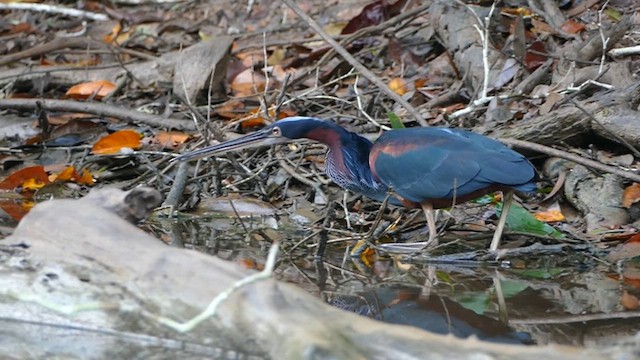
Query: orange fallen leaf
point(31, 176)
point(248, 263)
point(398, 86)
point(629, 302)
point(84, 178)
point(97, 89)
point(552, 215)
point(170, 139)
point(16, 208)
point(69, 173)
point(631, 195)
point(66, 174)
point(259, 120)
point(572, 27)
point(114, 143)
point(117, 35)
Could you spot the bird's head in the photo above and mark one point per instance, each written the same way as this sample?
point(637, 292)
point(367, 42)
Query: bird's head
point(282, 131)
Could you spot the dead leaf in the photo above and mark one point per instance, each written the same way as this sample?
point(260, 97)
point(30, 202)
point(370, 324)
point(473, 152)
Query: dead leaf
point(517, 11)
point(16, 208)
point(572, 27)
point(628, 250)
point(170, 139)
point(117, 35)
point(114, 143)
point(33, 184)
point(631, 195)
point(628, 301)
point(230, 109)
point(84, 178)
point(31, 176)
point(535, 56)
point(248, 82)
point(373, 14)
point(552, 215)
point(398, 86)
point(276, 57)
point(97, 89)
point(70, 174)
point(541, 27)
point(21, 28)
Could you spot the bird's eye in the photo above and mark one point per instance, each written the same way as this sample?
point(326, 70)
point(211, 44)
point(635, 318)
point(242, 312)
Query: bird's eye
point(276, 131)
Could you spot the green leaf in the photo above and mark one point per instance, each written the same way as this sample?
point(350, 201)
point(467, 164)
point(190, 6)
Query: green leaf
point(613, 14)
point(511, 288)
point(520, 220)
point(395, 121)
point(539, 273)
point(444, 277)
point(484, 200)
point(476, 302)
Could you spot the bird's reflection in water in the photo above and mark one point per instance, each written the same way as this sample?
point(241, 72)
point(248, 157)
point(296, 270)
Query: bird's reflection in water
point(441, 315)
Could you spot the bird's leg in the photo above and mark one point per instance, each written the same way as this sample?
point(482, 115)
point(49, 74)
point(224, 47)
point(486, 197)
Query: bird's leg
point(361, 246)
point(427, 207)
point(507, 199)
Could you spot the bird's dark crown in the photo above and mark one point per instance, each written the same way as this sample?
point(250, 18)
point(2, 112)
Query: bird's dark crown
point(298, 127)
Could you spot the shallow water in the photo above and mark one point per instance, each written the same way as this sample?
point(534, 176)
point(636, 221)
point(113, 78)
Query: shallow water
point(568, 297)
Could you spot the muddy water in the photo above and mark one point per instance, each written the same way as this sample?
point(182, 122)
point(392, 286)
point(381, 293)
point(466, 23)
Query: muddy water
point(570, 297)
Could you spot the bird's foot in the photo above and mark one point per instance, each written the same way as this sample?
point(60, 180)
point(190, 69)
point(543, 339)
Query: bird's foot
point(411, 246)
point(404, 247)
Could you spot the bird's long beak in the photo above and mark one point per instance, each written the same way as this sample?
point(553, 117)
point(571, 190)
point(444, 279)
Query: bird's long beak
point(256, 139)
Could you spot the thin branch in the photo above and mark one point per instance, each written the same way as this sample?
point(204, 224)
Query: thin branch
point(53, 9)
point(575, 158)
point(99, 109)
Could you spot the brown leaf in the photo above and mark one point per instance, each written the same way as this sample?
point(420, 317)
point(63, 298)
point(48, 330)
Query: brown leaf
point(97, 89)
point(21, 28)
point(113, 143)
point(248, 82)
point(535, 56)
point(628, 250)
point(541, 27)
point(231, 109)
point(373, 14)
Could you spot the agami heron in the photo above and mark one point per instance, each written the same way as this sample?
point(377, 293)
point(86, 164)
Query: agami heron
point(426, 168)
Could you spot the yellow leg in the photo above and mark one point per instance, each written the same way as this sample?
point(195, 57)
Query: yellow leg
point(431, 223)
point(507, 199)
